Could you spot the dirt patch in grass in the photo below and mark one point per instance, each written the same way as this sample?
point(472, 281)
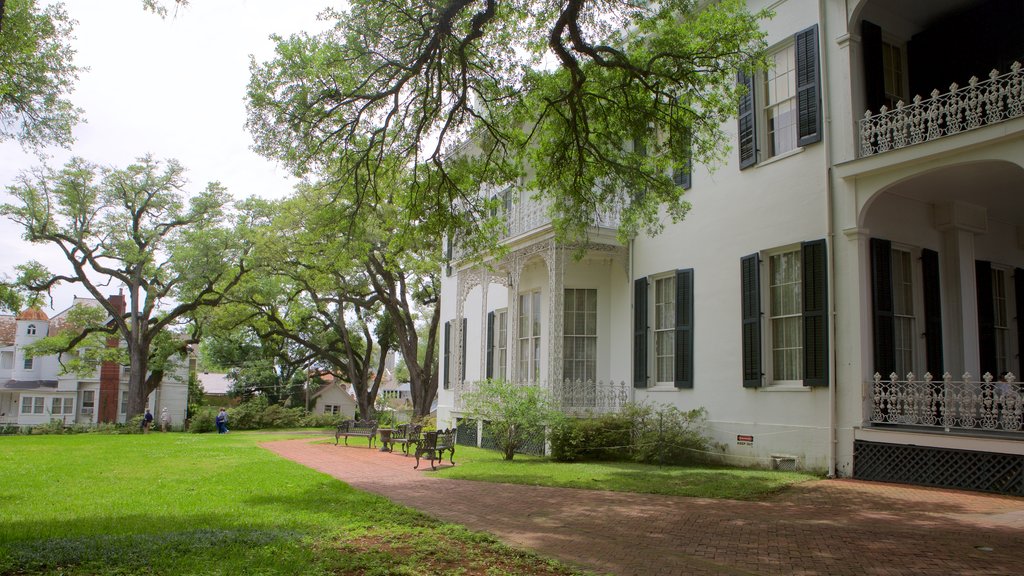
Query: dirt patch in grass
point(443, 555)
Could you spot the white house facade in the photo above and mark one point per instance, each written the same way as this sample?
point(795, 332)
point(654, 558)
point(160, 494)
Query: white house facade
point(34, 391)
point(845, 294)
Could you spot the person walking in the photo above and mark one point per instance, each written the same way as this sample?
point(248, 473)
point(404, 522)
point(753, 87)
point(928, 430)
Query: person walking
point(165, 419)
point(222, 422)
point(147, 421)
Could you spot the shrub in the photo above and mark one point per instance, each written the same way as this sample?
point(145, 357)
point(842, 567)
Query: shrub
point(202, 420)
point(606, 437)
point(311, 420)
point(641, 433)
point(51, 427)
point(670, 435)
point(512, 413)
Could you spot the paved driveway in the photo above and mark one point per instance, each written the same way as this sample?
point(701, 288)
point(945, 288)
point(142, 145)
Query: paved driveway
point(827, 527)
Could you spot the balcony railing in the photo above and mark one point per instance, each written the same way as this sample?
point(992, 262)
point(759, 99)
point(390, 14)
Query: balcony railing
point(530, 214)
point(949, 404)
point(570, 396)
point(978, 104)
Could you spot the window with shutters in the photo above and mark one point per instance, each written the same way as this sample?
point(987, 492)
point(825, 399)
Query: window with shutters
point(906, 310)
point(579, 331)
point(780, 110)
point(529, 337)
point(663, 308)
point(498, 345)
point(795, 309)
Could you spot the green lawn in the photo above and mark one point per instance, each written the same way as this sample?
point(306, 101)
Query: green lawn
point(703, 482)
point(213, 504)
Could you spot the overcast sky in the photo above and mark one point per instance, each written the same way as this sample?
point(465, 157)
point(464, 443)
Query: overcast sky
point(172, 87)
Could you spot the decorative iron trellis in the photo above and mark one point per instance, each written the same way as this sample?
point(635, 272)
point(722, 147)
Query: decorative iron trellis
point(943, 467)
point(978, 104)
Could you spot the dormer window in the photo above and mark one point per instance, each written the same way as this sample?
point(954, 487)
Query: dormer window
point(31, 330)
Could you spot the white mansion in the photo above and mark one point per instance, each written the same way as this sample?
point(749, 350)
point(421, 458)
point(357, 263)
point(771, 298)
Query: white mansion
point(846, 293)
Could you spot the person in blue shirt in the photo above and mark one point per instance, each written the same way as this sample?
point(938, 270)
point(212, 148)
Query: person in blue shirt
point(147, 421)
point(222, 422)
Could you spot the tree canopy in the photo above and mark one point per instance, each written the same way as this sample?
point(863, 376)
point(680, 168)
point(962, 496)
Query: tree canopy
point(470, 92)
point(37, 73)
point(172, 251)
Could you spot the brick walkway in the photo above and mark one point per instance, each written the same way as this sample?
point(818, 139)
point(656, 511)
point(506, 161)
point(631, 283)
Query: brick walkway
point(833, 527)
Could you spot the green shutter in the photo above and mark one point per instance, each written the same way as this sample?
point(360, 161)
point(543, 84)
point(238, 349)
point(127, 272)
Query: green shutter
point(684, 329)
point(874, 74)
point(746, 118)
point(750, 296)
point(808, 93)
point(447, 354)
point(640, 333)
point(815, 312)
point(884, 327)
point(490, 345)
point(986, 319)
point(932, 313)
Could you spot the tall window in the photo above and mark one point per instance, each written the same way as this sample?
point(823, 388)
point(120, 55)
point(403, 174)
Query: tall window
point(893, 74)
point(88, 401)
point(499, 351)
point(124, 402)
point(28, 363)
point(780, 106)
point(786, 315)
point(580, 334)
point(529, 337)
point(664, 329)
point(6, 360)
point(780, 110)
point(31, 330)
point(32, 404)
point(903, 311)
point(1001, 317)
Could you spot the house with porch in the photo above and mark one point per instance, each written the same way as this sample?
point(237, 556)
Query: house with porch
point(34, 390)
point(846, 292)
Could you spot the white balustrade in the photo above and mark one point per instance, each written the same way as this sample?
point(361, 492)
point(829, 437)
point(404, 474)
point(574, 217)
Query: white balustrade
point(577, 397)
point(962, 404)
point(978, 104)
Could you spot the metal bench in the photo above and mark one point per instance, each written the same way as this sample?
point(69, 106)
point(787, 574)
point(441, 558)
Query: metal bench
point(360, 428)
point(433, 446)
point(406, 435)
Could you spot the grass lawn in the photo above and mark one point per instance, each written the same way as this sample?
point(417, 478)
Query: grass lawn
point(701, 481)
point(215, 504)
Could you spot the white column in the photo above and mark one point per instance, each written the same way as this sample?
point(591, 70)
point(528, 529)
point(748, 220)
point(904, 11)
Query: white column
point(959, 222)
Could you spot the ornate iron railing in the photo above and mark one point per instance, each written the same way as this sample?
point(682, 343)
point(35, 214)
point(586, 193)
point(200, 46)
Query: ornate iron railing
point(963, 404)
point(531, 214)
point(576, 397)
point(978, 104)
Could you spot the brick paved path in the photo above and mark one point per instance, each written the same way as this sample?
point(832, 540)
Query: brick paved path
point(841, 527)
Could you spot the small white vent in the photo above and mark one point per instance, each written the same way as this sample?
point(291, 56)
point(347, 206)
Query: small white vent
point(784, 463)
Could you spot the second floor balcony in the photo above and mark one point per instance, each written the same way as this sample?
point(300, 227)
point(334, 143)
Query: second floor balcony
point(979, 103)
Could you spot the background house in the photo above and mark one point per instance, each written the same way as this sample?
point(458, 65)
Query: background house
point(839, 242)
point(34, 391)
point(334, 397)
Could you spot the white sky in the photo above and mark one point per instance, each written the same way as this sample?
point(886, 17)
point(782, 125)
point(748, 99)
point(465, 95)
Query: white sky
point(172, 87)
